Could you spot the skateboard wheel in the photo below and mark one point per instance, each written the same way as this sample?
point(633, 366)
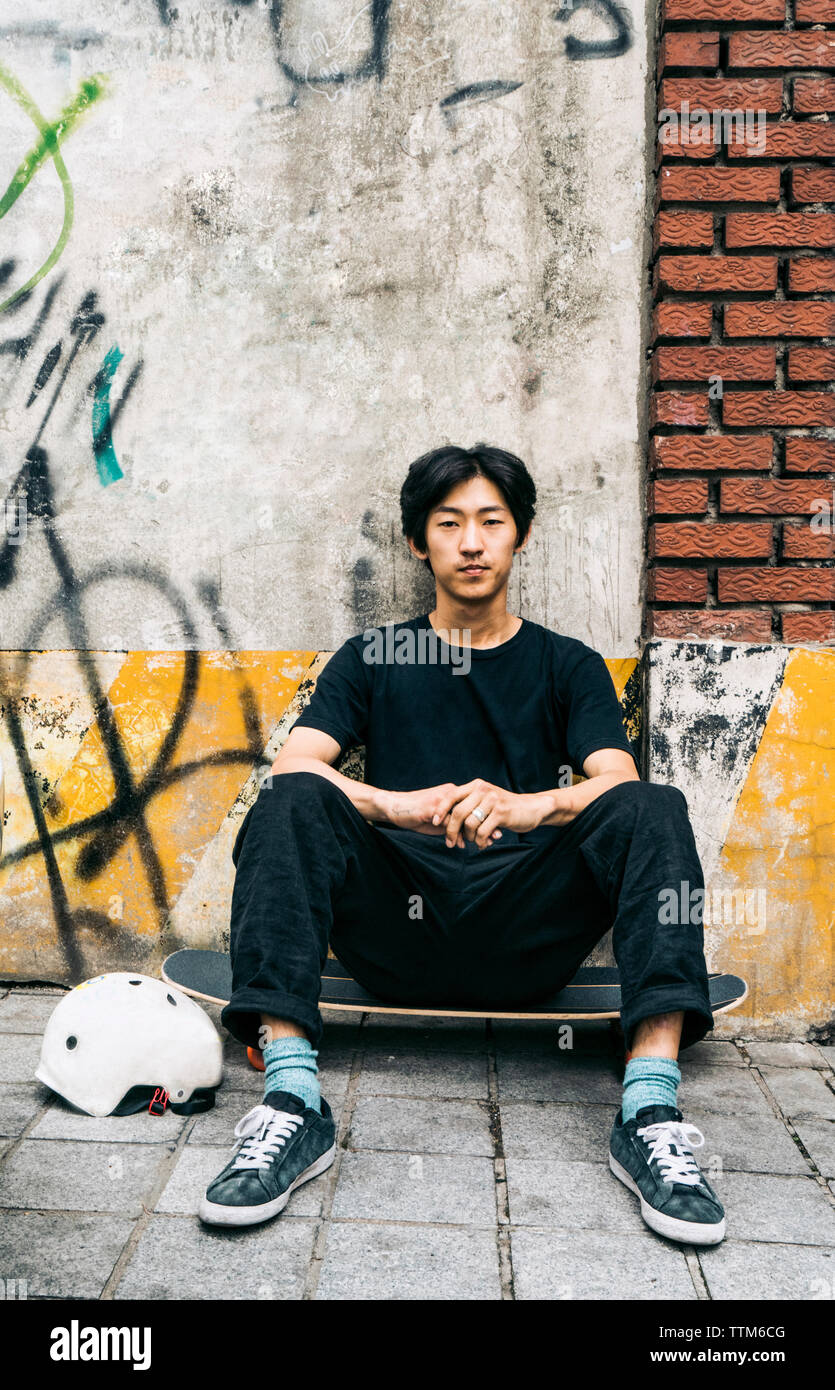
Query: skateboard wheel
point(256, 1058)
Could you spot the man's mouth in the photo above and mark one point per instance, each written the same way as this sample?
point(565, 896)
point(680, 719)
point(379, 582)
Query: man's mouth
point(474, 569)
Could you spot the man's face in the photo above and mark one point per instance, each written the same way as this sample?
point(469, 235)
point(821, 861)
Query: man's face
point(470, 539)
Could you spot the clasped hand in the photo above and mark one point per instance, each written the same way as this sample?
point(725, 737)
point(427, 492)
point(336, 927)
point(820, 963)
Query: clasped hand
point(448, 810)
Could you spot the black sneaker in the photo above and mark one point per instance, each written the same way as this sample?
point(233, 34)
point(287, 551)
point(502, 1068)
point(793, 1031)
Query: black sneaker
point(653, 1156)
point(283, 1144)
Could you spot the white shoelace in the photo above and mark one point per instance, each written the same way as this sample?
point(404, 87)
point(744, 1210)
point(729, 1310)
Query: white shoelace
point(675, 1167)
point(263, 1131)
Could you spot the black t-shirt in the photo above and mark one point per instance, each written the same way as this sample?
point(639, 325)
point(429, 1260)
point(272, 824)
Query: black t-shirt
point(524, 710)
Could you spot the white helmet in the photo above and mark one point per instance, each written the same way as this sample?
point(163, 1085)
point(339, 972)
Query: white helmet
point(118, 1041)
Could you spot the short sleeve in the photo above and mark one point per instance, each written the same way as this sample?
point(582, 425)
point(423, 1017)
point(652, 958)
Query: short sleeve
point(594, 718)
point(339, 705)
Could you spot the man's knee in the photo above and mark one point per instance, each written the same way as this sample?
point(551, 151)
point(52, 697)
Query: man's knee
point(652, 793)
point(302, 784)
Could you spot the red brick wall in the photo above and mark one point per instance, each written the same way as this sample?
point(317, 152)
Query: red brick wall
point(743, 282)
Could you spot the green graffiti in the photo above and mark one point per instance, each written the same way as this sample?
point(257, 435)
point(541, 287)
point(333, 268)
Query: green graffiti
point(47, 147)
point(106, 460)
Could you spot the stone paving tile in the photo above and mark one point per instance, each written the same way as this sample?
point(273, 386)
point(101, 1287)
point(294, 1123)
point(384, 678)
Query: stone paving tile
point(196, 1167)
point(827, 1051)
point(560, 1077)
point(741, 1269)
point(181, 1259)
point(550, 1192)
point(19, 1101)
point(784, 1054)
point(62, 1254)
point(62, 1175)
point(61, 1121)
point(571, 1133)
point(406, 1262)
point(722, 1090)
point(438, 1075)
point(421, 1126)
point(19, 1056)
point(416, 1187)
point(597, 1265)
point(582, 1039)
point(818, 1138)
point(782, 1209)
point(417, 1033)
point(800, 1092)
point(26, 1012)
point(746, 1143)
point(580, 1133)
point(5, 1145)
point(711, 1053)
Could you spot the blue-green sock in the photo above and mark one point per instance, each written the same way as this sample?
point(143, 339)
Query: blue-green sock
point(290, 1065)
point(649, 1081)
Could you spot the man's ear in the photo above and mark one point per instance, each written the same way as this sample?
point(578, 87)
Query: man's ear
point(523, 542)
point(421, 554)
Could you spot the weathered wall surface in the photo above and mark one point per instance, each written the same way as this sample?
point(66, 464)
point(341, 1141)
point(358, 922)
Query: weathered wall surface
point(288, 247)
point(748, 734)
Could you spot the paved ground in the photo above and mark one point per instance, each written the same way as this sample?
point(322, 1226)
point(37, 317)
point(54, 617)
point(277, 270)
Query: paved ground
point(471, 1165)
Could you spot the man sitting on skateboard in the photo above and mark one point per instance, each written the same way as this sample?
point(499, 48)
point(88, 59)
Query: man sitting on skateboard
point(466, 869)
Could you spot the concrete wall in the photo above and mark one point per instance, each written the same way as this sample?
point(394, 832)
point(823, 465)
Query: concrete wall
point(748, 734)
point(290, 247)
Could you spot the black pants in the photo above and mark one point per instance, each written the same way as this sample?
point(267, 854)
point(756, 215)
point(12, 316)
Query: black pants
point(418, 923)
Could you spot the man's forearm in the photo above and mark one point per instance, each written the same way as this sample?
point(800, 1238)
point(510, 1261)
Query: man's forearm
point(565, 803)
point(368, 800)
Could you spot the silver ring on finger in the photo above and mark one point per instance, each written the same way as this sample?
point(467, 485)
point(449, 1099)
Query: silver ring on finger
point(478, 813)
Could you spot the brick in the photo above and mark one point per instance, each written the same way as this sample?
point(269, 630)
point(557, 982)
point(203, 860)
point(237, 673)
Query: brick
point(809, 627)
point(740, 185)
point(811, 364)
point(811, 275)
point(699, 540)
point(773, 584)
point(760, 11)
point(810, 455)
point(789, 140)
point(778, 408)
point(689, 51)
point(769, 496)
point(813, 94)
point(677, 495)
point(682, 229)
point(676, 586)
point(761, 48)
point(780, 229)
point(751, 625)
point(721, 93)
point(711, 451)
point(678, 408)
point(802, 543)
point(675, 318)
point(679, 363)
point(815, 12)
point(714, 274)
point(787, 319)
point(686, 142)
point(811, 185)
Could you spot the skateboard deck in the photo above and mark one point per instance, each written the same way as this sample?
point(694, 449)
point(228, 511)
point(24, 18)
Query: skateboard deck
point(593, 993)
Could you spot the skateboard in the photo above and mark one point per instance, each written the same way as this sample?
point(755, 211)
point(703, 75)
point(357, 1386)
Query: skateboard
point(594, 993)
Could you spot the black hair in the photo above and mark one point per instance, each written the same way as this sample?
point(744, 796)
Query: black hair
point(433, 475)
